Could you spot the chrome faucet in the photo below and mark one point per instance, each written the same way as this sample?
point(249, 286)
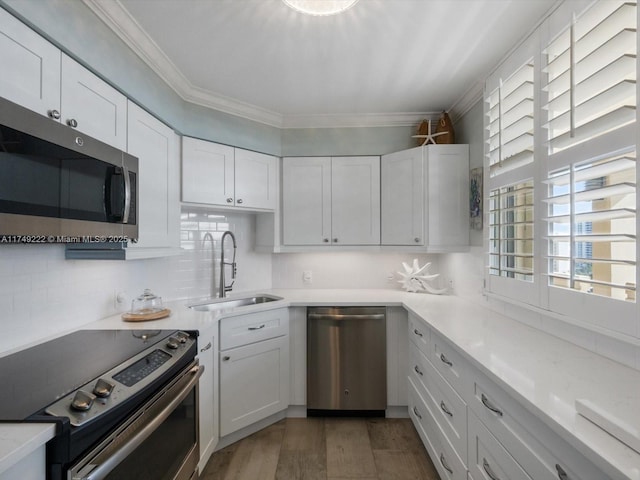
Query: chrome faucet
point(208, 236)
point(223, 287)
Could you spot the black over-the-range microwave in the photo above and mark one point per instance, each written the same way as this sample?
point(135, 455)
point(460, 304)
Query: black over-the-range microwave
point(58, 185)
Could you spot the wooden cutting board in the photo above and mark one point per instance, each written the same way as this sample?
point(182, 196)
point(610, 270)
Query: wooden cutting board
point(146, 316)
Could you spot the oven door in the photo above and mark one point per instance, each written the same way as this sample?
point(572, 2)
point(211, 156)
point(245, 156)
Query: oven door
point(157, 442)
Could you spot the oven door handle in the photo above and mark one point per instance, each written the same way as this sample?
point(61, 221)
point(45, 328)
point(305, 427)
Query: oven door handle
point(102, 470)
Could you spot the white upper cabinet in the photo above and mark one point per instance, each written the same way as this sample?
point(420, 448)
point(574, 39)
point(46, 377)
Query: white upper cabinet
point(331, 201)
point(37, 76)
point(403, 198)
point(157, 148)
point(217, 174)
point(92, 106)
point(425, 198)
point(447, 197)
point(306, 200)
point(355, 200)
point(31, 67)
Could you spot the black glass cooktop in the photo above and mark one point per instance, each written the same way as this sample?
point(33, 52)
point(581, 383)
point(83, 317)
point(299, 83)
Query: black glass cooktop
point(36, 377)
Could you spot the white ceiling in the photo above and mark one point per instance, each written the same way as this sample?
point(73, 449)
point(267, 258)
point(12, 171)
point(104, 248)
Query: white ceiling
point(385, 62)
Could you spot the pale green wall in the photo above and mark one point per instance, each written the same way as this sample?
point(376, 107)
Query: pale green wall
point(74, 28)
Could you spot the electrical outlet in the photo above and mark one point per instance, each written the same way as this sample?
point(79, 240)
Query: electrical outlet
point(120, 301)
point(391, 277)
point(307, 277)
point(451, 286)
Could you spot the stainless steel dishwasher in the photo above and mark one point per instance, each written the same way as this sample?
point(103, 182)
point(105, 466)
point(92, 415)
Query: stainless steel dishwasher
point(346, 361)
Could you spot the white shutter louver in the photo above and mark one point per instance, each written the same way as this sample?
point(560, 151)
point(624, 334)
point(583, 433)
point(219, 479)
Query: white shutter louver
point(510, 112)
point(511, 231)
point(591, 75)
point(592, 226)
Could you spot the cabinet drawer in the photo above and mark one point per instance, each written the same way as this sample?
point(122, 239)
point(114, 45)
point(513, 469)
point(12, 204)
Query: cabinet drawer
point(446, 406)
point(420, 334)
point(487, 458)
point(450, 364)
point(440, 450)
point(253, 327)
point(526, 438)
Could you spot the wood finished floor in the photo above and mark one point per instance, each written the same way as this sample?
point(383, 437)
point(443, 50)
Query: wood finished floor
point(326, 449)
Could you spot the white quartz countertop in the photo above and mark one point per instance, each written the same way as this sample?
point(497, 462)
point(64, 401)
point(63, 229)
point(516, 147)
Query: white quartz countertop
point(545, 374)
point(17, 440)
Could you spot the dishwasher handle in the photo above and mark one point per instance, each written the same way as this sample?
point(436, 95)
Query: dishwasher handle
point(347, 317)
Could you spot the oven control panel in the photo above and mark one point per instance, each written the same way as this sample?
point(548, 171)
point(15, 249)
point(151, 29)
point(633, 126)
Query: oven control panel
point(120, 383)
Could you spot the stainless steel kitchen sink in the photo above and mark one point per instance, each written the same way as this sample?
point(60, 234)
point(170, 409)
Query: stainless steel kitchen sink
point(227, 303)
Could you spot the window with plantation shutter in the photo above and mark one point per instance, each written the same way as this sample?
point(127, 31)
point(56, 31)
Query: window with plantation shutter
point(592, 226)
point(591, 75)
point(511, 122)
point(511, 231)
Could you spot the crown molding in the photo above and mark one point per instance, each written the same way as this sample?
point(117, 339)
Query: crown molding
point(466, 101)
point(120, 21)
point(357, 120)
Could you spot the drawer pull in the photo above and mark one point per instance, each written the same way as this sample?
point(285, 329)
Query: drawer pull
point(562, 475)
point(206, 347)
point(490, 406)
point(418, 370)
point(415, 330)
point(415, 410)
point(444, 464)
point(445, 360)
point(257, 328)
point(487, 468)
point(444, 408)
point(226, 358)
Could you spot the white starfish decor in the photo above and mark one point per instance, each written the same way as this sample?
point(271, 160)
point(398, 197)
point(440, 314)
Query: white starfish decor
point(429, 137)
point(417, 278)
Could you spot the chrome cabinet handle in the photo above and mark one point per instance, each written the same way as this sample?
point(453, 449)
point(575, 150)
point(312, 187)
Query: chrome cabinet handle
point(239, 200)
point(488, 469)
point(256, 328)
point(229, 200)
point(72, 122)
point(445, 360)
point(444, 408)
point(418, 370)
point(444, 464)
point(415, 411)
point(415, 330)
point(226, 358)
point(490, 406)
point(55, 114)
point(562, 475)
point(206, 347)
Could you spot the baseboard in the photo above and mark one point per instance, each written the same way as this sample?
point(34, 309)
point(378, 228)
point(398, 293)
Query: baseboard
point(397, 411)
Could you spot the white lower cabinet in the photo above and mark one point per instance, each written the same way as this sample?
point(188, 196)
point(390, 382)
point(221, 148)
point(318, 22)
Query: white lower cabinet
point(467, 421)
point(208, 394)
point(442, 453)
point(488, 459)
point(254, 374)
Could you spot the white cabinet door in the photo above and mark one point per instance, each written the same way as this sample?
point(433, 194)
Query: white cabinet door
point(156, 147)
point(256, 180)
point(92, 106)
point(306, 200)
point(208, 394)
point(447, 197)
point(402, 198)
point(355, 200)
point(254, 383)
point(207, 172)
point(30, 67)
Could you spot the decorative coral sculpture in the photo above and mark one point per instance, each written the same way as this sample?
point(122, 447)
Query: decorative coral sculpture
point(417, 278)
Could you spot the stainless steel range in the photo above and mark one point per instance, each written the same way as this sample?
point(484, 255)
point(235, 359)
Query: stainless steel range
point(125, 403)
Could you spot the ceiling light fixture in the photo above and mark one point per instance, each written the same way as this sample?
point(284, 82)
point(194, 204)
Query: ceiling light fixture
point(320, 7)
